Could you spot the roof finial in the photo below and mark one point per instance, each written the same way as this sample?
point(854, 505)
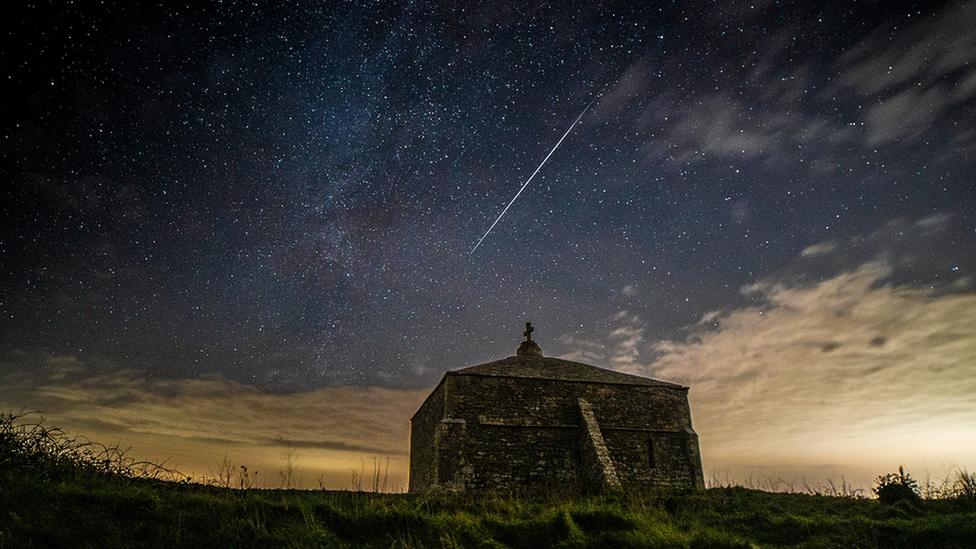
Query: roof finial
point(528, 347)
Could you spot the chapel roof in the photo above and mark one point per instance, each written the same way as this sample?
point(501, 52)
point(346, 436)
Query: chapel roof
point(528, 363)
point(539, 367)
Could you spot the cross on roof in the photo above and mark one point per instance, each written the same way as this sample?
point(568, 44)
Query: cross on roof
point(528, 347)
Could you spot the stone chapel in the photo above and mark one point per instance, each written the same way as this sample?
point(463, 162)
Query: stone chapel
point(529, 422)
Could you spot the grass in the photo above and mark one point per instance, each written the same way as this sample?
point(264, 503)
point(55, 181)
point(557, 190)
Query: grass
point(72, 494)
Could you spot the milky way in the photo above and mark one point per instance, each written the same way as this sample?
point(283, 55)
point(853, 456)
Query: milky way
point(284, 194)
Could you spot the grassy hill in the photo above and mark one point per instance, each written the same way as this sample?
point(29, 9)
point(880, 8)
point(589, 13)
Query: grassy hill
point(62, 493)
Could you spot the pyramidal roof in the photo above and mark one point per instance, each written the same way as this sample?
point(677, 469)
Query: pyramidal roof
point(529, 363)
point(539, 367)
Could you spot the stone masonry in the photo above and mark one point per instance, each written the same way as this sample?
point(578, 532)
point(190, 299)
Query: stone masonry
point(528, 422)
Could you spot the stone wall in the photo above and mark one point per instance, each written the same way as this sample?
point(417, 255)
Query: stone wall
point(486, 458)
point(423, 440)
point(662, 459)
point(492, 433)
point(521, 401)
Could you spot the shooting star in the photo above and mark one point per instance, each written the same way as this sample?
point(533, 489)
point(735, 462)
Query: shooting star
point(527, 181)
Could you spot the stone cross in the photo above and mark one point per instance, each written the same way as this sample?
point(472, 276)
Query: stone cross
point(528, 331)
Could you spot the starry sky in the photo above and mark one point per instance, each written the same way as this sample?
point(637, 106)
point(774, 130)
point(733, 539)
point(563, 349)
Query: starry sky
point(230, 228)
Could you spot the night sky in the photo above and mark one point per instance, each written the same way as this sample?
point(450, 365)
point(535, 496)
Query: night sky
point(771, 202)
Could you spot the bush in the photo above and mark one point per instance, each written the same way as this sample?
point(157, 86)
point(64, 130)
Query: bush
point(28, 449)
point(964, 487)
point(895, 487)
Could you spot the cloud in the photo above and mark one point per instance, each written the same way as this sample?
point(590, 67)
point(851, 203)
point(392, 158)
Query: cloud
point(899, 83)
point(615, 340)
point(752, 106)
point(626, 342)
point(841, 371)
point(868, 364)
point(909, 84)
point(823, 248)
point(193, 425)
point(937, 253)
point(931, 50)
point(714, 124)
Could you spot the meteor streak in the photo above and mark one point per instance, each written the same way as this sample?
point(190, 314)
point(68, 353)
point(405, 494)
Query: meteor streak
point(527, 181)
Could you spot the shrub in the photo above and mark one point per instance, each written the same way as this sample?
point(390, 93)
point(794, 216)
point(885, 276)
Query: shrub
point(964, 487)
point(895, 487)
point(29, 449)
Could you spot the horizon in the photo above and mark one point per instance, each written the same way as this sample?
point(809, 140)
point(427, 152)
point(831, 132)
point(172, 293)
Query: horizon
point(335, 433)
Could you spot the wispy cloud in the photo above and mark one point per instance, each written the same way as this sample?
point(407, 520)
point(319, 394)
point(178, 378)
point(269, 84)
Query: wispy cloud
point(193, 425)
point(910, 83)
point(910, 76)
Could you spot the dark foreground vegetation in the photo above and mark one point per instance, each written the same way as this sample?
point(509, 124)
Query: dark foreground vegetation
point(61, 492)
